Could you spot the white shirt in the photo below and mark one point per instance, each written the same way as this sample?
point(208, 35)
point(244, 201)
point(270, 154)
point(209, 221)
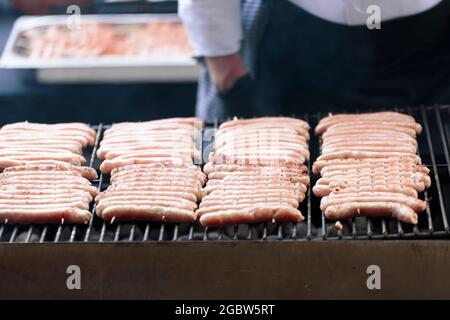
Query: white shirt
point(214, 26)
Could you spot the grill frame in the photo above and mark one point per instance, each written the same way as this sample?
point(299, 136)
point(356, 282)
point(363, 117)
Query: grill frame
point(432, 224)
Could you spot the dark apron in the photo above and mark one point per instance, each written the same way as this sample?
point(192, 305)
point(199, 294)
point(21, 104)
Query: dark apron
point(301, 63)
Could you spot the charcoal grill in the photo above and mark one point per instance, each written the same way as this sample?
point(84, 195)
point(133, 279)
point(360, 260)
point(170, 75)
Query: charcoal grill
point(153, 247)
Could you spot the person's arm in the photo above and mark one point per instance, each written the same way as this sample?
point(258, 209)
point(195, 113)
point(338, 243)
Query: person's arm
point(215, 31)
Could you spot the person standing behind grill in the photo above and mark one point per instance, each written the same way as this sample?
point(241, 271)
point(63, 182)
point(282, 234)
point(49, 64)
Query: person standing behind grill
point(273, 57)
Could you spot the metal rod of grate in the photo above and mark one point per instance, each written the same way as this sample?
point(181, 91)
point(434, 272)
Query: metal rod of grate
point(433, 223)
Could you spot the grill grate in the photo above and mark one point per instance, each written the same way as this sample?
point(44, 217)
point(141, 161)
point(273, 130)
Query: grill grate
point(433, 223)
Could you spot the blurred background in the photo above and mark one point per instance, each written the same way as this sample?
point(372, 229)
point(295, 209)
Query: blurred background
point(126, 79)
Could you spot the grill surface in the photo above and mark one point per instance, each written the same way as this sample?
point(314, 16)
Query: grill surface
point(433, 223)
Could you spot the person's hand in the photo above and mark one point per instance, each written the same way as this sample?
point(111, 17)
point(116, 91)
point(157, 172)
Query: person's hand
point(225, 70)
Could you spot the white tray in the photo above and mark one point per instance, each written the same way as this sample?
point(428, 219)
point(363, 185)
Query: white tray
point(99, 69)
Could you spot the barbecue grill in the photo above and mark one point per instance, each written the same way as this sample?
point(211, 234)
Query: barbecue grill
point(154, 253)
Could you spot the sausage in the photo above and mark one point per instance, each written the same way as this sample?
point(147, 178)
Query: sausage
point(224, 207)
point(319, 164)
point(269, 131)
point(156, 154)
point(5, 141)
point(158, 123)
point(196, 185)
point(365, 154)
point(128, 175)
point(221, 184)
point(251, 215)
point(255, 192)
point(358, 166)
point(132, 197)
point(174, 135)
point(297, 149)
point(390, 174)
point(418, 185)
point(88, 135)
point(208, 202)
point(321, 190)
point(368, 141)
point(155, 189)
point(108, 165)
point(161, 180)
point(126, 154)
point(149, 187)
point(52, 175)
point(161, 166)
point(156, 176)
point(409, 128)
point(321, 128)
point(81, 137)
point(50, 127)
point(105, 203)
point(256, 159)
point(134, 139)
point(387, 209)
point(271, 142)
point(19, 154)
point(256, 137)
point(130, 141)
point(374, 172)
point(139, 141)
point(57, 180)
point(64, 148)
point(377, 116)
point(414, 178)
point(54, 167)
point(355, 164)
point(384, 132)
point(38, 196)
point(292, 177)
point(210, 168)
point(15, 152)
point(48, 143)
point(297, 189)
point(112, 152)
point(150, 213)
point(48, 205)
point(147, 193)
point(24, 160)
point(152, 129)
point(158, 173)
point(262, 120)
point(405, 149)
point(43, 187)
point(275, 153)
point(259, 177)
point(248, 124)
point(342, 198)
point(45, 215)
point(13, 136)
point(17, 202)
point(50, 181)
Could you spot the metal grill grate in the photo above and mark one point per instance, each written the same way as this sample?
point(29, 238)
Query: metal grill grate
point(433, 223)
